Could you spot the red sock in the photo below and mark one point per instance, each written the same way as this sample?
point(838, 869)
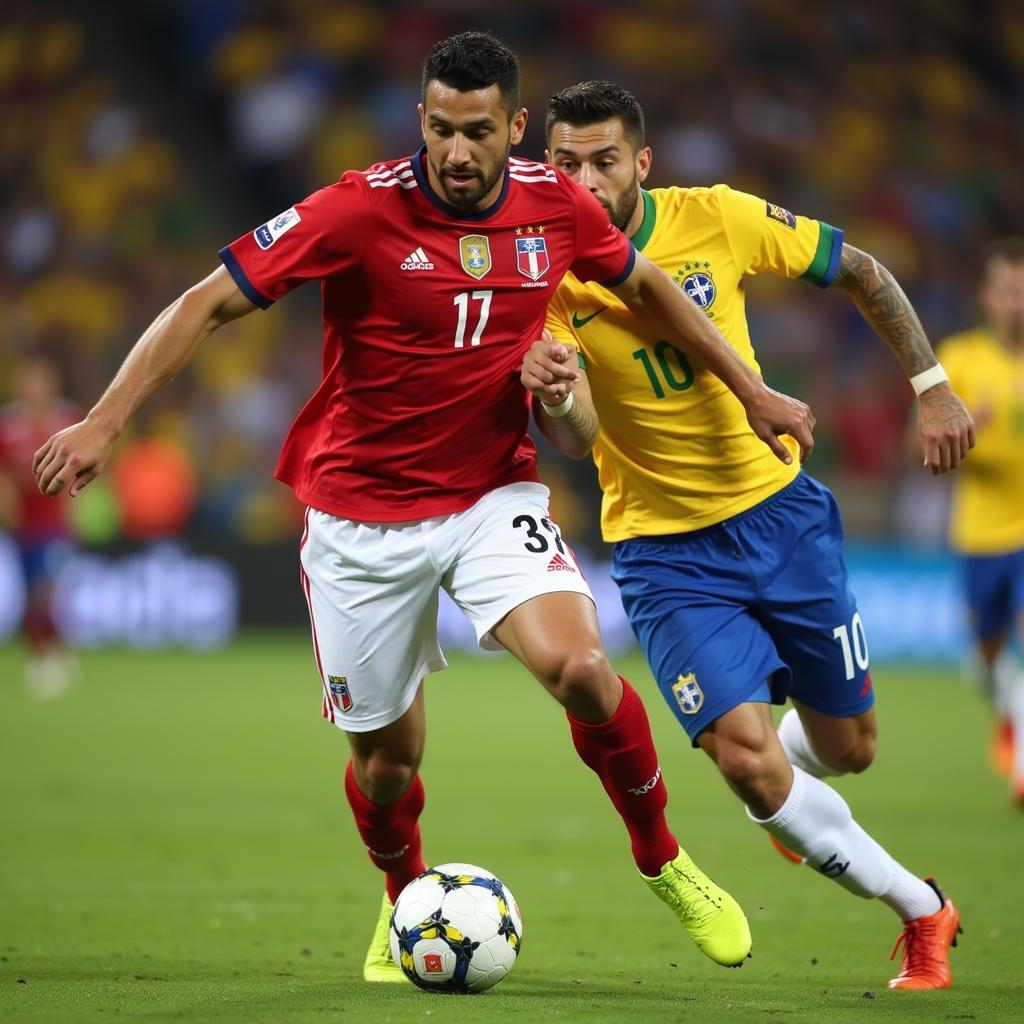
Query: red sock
point(390, 832)
point(621, 752)
point(38, 625)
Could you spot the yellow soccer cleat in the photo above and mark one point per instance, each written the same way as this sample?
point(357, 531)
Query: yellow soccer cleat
point(709, 914)
point(379, 964)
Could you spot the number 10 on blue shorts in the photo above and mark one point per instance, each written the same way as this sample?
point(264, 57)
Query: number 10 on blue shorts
point(755, 608)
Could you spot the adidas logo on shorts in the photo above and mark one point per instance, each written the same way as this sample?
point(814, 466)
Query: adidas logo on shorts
point(559, 564)
point(417, 260)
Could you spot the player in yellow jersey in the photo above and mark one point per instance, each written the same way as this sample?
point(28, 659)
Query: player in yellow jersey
point(730, 563)
point(986, 366)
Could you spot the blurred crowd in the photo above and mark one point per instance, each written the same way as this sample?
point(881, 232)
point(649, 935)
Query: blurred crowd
point(138, 139)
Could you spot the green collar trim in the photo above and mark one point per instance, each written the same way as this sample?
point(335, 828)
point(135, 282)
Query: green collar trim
point(646, 229)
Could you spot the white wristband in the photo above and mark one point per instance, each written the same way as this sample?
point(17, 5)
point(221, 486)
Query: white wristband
point(926, 379)
point(561, 409)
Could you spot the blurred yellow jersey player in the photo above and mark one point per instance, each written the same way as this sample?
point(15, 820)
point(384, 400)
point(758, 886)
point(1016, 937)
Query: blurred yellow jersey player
point(986, 367)
point(730, 563)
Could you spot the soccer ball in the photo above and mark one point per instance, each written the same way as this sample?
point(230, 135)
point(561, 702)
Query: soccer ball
point(456, 928)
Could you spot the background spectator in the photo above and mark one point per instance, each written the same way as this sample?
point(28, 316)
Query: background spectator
point(128, 128)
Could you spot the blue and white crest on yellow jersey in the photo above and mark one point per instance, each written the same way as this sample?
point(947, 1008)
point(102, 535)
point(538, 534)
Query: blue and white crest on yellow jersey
point(700, 286)
point(475, 253)
point(688, 694)
point(267, 234)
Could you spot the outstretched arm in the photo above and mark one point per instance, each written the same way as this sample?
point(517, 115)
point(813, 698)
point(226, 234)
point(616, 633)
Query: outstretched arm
point(76, 455)
point(651, 294)
point(944, 425)
point(563, 407)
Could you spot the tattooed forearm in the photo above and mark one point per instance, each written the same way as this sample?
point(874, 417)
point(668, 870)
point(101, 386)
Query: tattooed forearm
point(575, 432)
point(885, 306)
point(583, 423)
point(946, 429)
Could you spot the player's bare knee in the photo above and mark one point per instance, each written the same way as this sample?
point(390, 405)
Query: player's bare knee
point(583, 682)
point(387, 775)
point(858, 757)
point(744, 768)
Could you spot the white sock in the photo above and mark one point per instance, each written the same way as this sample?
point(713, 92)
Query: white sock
point(909, 895)
point(798, 748)
point(1005, 678)
point(1015, 709)
point(816, 822)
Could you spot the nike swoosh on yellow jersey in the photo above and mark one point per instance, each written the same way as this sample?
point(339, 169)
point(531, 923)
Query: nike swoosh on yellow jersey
point(579, 321)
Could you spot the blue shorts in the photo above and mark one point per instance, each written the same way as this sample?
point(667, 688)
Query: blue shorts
point(995, 591)
point(41, 557)
point(755, 608)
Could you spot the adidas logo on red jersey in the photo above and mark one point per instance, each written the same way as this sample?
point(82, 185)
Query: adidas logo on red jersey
point(559, 564)
point(417, 260)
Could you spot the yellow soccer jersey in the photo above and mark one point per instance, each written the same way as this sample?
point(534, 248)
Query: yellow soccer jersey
point(988, 488)
point(675, 452)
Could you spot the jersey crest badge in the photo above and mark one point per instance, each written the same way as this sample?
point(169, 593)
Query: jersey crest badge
point(532, 256)
point(688, 694)
point(700, 286)
point(340, 696)
point(475, 253)
point(780, 214)
point(267, 234)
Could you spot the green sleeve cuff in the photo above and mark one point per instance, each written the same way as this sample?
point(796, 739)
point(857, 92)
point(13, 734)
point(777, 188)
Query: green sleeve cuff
point(825, 263)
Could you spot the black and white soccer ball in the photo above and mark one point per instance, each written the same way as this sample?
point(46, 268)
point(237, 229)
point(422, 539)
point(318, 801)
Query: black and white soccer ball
point(456, 928)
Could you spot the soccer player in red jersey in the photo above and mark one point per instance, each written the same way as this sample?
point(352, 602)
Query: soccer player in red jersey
point(414, 460)
point(38, 525)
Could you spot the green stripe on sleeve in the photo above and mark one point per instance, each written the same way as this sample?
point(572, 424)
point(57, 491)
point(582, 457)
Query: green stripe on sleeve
point(819, 264)
point(825, 263)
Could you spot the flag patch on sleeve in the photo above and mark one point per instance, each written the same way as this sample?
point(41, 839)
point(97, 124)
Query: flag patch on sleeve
point(783, 216)
point(267, 234)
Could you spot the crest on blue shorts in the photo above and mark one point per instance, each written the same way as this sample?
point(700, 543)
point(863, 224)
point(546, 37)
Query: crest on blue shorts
point(340, 696)
point(688, 694)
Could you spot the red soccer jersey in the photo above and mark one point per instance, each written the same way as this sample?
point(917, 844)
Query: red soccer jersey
point(22, 432)
point(427, 313)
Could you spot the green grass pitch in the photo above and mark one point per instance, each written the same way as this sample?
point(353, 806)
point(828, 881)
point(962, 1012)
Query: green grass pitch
point(176, 847)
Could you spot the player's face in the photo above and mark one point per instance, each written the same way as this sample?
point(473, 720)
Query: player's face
point(36, 382)
point(599, 157)
point(1002, 298)
point(468, 136)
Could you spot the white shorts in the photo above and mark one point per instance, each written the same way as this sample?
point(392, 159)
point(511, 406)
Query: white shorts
point(372, 590)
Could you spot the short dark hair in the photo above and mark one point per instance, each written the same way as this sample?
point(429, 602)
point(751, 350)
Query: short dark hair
point(1008, 250)
point(591, 102)
point(474, 60)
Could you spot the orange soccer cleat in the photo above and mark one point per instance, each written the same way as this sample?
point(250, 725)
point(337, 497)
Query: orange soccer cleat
point(1001, 747)
point(926, 942)
point(1017, 792)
